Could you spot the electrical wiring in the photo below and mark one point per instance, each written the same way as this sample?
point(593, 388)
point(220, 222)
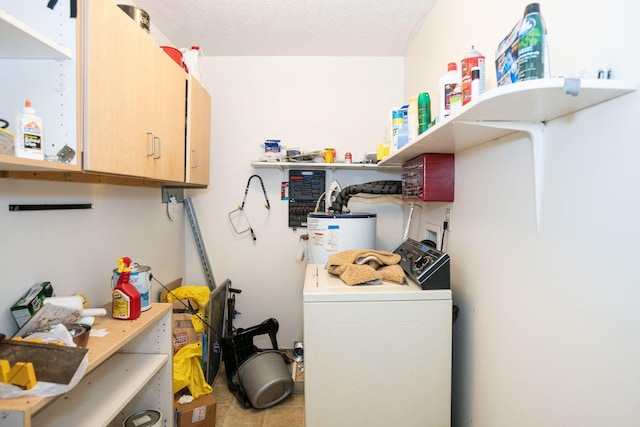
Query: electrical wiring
point(445, 226)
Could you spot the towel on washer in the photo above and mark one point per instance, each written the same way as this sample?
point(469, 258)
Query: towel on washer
point(366, 266)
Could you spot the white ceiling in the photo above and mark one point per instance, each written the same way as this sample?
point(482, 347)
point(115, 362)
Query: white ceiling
point(289, 27)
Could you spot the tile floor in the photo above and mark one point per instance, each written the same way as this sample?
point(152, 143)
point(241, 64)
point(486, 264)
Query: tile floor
point(230, 413)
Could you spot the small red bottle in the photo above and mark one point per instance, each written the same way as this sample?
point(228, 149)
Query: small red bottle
point(125, 301)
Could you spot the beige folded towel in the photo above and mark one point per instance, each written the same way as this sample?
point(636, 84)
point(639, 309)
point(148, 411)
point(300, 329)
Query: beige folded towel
point(366, 266)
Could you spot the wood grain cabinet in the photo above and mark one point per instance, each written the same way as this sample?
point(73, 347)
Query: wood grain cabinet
point(198, 133)
point(134, 99)
point(37, 61)
point(107, 90)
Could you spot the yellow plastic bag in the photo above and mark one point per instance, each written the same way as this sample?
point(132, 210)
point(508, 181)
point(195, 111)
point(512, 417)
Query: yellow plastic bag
point(199, 293)
point(187, 371)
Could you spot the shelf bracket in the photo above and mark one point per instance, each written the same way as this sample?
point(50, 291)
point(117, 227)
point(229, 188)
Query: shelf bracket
point(536, 133)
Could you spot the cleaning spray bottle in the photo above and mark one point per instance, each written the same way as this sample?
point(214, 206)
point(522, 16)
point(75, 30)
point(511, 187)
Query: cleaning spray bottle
point(125, 302)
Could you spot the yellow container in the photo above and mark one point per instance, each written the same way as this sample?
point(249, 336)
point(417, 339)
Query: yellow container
point(329, 155)
point(382, 152)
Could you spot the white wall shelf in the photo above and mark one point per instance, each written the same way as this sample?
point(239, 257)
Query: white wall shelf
point(534, 101)
point(320, 165)
point(19, 40)
point(519, 107)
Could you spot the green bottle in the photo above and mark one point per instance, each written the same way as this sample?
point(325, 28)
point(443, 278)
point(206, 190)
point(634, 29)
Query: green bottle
point(424, 112)
point(531, 45)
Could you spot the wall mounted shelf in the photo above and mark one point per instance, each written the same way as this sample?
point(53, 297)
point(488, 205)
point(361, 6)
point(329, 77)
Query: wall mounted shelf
point(519, 107)
point(332, 166)
point(13, 163)
point(19, 40)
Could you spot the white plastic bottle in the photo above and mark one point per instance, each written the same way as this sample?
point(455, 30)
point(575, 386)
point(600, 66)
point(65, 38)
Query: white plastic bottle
point(413, 118)
point(29, 141)
point(449, 85)
point(193, 59)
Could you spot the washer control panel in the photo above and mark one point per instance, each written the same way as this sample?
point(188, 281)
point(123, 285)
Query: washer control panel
point(425, 265)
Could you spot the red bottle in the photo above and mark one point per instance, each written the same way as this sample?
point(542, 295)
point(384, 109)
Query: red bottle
point(125, 301)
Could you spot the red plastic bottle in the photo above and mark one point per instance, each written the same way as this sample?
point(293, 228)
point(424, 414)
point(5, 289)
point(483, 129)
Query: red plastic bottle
point(125, 301)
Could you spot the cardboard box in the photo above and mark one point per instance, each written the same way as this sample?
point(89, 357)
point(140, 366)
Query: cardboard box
point(507, 58)
point(199, 413)
point(182, 331)
point(31, 302)
point(178, 306)
point(298, 377)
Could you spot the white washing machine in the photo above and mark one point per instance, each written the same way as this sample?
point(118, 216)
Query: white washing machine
point(375, 355)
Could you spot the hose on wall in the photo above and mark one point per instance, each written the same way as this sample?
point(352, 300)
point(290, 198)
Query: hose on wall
point(374, 187)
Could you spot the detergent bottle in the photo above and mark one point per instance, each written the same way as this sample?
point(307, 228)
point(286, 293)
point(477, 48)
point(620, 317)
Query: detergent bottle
point(125, 301)
point(533, 58)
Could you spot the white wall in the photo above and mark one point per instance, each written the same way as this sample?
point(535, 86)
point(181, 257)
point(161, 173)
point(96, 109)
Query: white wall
point(547, 328)
point(309, 103)
point(77, 250)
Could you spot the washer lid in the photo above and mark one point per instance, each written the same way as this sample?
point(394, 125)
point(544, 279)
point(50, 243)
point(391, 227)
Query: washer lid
point(322, 286)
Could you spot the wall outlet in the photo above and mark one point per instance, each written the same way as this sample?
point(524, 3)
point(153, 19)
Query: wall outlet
point(447, 218)
point(433, 232)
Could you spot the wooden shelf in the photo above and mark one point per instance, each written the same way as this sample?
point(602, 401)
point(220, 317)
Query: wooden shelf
point(13, 163)
point(534, 101)
point(21, 41)
point(87, 405)
point(121, 364)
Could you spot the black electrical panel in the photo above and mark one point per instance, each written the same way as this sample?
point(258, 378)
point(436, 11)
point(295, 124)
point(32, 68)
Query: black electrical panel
point(305, 188)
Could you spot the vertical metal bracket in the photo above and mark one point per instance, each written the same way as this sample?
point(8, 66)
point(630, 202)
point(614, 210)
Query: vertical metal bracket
point(168, 192)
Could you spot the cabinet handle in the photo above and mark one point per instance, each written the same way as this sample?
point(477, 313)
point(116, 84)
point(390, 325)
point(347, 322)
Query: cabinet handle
point(196, 159)
point(153, 144)
point(159, 146)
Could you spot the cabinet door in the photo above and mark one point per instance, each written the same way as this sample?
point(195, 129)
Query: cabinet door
point(166, 115)
point(198, 133)
point(118, 59)
point(134, 99)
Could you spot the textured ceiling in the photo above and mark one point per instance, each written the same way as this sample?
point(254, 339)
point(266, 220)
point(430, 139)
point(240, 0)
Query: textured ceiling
point(289, 27)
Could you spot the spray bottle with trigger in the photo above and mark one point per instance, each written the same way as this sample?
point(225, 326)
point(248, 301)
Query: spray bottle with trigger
point(125, 302)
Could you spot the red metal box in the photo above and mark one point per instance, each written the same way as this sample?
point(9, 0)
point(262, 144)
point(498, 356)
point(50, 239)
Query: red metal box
point(428, 178)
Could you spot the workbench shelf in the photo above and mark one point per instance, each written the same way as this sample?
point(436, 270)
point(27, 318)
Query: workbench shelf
point(130, 369)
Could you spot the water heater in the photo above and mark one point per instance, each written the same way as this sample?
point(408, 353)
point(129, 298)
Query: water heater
point(332, 233)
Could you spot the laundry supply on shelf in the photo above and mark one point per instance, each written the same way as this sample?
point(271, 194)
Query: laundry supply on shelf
point(533, 61)
point(450, 91)
point(424, 112)
point(527, 47)
point(473, 60)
